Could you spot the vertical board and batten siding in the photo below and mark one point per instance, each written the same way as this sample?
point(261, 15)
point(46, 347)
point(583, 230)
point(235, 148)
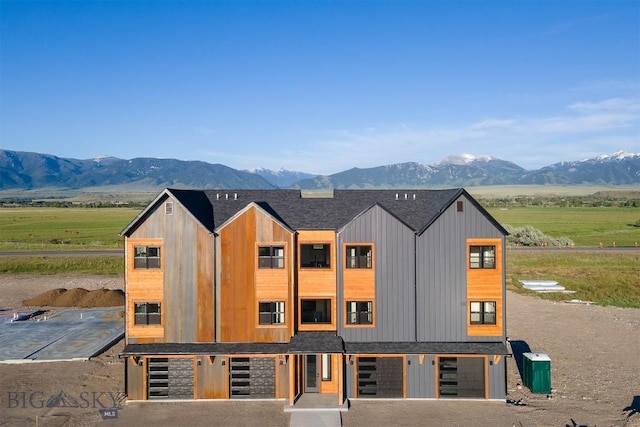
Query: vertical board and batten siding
point(421, 380)
point(497, 377)
point(187, 254)
point(394, 252)
point(441, 273)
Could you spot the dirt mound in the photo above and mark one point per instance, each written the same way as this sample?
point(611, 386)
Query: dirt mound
point(77, 297)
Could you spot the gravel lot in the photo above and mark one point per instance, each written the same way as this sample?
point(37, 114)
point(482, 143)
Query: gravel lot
point(595, 353)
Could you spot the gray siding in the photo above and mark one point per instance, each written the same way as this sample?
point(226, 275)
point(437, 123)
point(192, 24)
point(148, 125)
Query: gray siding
point(179, 232)
point(394, 276)
point(441, 273)
point(497, 379)
point(421, 381)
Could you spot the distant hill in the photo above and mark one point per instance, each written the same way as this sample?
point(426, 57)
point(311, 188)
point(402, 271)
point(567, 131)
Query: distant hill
point(29, 171)
point(24, 170)
point(467, 171)
point(282, 178)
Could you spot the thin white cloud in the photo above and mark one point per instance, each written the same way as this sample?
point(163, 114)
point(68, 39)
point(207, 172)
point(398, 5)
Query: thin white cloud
point(581, 129)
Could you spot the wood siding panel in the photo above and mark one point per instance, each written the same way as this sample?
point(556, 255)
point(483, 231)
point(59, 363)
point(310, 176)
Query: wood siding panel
point(243, 285)
point(485, 285)
point(212, 377)
point(135, 379)
point(317, 283)
point(186, 258)
point(205, 296)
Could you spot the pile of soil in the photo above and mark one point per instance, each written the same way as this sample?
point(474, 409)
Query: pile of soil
point(77, 297)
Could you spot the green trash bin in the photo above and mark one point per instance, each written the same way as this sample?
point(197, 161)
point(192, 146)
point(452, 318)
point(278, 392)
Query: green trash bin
point(536, 372)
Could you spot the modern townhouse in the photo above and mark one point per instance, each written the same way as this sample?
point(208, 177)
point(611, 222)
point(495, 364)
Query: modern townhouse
point(252, 294)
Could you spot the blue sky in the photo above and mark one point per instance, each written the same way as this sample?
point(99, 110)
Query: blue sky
point(321, 86)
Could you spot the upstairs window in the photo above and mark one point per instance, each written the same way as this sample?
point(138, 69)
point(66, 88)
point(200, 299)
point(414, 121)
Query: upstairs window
point(359, 313)
point(271, 257)
point(147, 313)
point(146, 257)
point(483, 313)
point(271, 313)
point(315, 310)
point(359, 256)
point(316, 255)
point(482, 257)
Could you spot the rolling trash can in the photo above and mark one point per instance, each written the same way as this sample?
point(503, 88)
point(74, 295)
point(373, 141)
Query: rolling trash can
point(536, 372)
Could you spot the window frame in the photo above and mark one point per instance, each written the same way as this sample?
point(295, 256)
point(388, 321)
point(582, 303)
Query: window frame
point(142, 260)
point(482, 313)
point(276, 310)
point(356, 315)
point(328, 307)
point(355, 261)
point(276, 262)
point(483, 261)
point(326, 264)
point(146, 314)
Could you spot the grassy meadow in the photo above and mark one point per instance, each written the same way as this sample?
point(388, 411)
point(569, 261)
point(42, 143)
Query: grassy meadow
point(586, 226)
point(47, 228)
point(605, 277)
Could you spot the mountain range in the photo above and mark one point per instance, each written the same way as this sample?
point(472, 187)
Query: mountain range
point(30, 171)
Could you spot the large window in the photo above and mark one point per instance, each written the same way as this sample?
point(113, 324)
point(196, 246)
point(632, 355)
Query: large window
point(147, 313)
point(315, 310)
point(359, 313)
point(482, 257)
point(271, 313)
point(271, 256)
point(146, 257)
point(316, 255)
point(359, 256)
point(483, 312)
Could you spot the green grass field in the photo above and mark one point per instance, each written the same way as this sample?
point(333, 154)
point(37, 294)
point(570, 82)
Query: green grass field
point(606, 278)
point(35, 228)
point(585, 226)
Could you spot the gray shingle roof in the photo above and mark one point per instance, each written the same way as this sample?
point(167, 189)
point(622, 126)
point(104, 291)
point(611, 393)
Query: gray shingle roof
point(425, 348)
point(415, 208)
point(316, 342)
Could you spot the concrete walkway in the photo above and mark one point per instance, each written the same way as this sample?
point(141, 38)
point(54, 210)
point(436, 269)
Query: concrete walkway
point(316, 410)
point(315, 418)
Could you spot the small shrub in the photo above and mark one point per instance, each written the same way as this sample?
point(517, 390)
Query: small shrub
point(530, 236)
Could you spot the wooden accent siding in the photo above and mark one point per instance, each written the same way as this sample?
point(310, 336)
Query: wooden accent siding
point(243, 284)
point(359, 284)
point(205, 297)
point(317, 283)
point(143, 285)
point(135, 379)
point(332, 386)
point(485, 284)
point(212, 377)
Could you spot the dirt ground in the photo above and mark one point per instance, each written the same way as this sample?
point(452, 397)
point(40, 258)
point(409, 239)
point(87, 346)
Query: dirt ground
point(595, 354)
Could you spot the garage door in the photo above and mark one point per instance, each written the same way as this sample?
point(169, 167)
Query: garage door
point(252, 377)
point(461, 377)
point(169, 378)
point(380, 377)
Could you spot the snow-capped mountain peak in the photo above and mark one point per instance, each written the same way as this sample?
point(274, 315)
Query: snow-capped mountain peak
point(618, 155)
point(464, 159)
